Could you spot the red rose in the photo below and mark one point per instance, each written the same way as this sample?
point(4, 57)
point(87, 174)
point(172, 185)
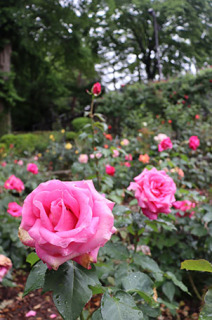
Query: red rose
point(110, 170)
point(96, 89)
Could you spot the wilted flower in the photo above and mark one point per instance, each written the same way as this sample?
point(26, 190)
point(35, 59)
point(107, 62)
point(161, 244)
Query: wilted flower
point(5, 266)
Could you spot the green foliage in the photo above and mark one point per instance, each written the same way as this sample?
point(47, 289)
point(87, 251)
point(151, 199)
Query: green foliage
point(79, 123)
point(197, 265)
point(206, 311)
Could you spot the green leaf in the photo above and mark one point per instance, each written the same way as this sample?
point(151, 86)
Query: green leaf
point(197, 265)
point(139, 281)
point(32, 258)
point(97, 315)
point(177, 282)
point(120, 307)
point(148, 264)
point(206, 312)
point(36, 278)
point(169, 290)
point(70, 286)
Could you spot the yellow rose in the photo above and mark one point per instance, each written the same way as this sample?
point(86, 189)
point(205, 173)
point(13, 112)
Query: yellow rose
point(68, 146)
point(63, 131)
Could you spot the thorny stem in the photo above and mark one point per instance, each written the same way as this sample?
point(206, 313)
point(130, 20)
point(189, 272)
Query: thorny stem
point(194, 287)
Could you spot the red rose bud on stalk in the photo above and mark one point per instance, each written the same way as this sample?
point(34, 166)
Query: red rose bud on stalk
point(96, 89)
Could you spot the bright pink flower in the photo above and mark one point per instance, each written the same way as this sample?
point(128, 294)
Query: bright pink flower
point(30, 313)
point(165, 144)
point(128, 157)
point(194, 142)
point(110, 170)
point(5, 266)
point(184, 206)
point(3, 164)
point(115, 153)
point(96, 89)
point(66, 220)
point(83, 158)
point(14, 183)
point(154, 191)
point(127, 164)
point(14, 209)
point(33, 168)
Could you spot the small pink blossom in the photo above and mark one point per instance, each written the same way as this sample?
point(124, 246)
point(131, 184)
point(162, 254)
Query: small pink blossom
point(160, 137)
point(92, 156)
point(165, 144)
point(36, 158)
point(20, 162)
point(124, 142)
point(186, 207)
point(32, 167)
point(14, 183)
point(3, 164)
point(128, 157)
point(5, 266)
point(31, 313)
point(110, 170)
point(83, 158)
point(115, 153)
point(127, 164)
point(14, 209)
point(194, 142)
point(98, 155)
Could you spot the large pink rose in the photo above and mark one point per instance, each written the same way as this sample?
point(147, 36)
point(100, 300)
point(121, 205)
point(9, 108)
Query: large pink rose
point(194, 142)
point(66, 220)
point(154, 191)
point(14, 209)
point(14, 183)
point(5, 266)
point(165, 144)
point(186, 207)
point(33, 168)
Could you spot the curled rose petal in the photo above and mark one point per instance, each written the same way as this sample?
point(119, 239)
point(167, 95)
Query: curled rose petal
point(30, 313)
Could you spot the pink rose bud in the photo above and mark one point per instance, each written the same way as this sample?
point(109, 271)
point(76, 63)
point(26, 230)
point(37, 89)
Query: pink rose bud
point(5, 266)
point(83, 158)
point(110, 170)
point(33, 168)
point(14, 209)
point(66, 220)
point(165, 144)
point(154, 191)
point(96, 89)
point(14, 183)
point(194, 142)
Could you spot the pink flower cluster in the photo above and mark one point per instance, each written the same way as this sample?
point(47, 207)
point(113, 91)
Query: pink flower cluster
point(66, 220)
point(185, 207)
point(154, 191)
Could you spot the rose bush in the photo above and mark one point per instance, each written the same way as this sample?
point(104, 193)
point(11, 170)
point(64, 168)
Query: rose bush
point(66, 220)
point(154, 191)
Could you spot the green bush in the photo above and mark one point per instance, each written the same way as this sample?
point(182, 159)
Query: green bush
point(70, 135)
point(79, 123)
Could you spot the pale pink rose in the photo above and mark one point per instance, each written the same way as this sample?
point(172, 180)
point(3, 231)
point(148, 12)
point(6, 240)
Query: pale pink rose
point(33, 168)
point(14, 183)
point(5, 266)
point(30, 313)
point(83, 158)
point(128, 157)
point(186, 207)
point(98, 155)
point(154, 191)
point(127, 164)
point(20, 162)
point(160, 137)
point(165, 144)
point(92, 156)
point(36, 158)
point(110, 170)
point(194, 142)
point(66, 220)
point(14, 209)
point(124, 142)
point(3, 164)
point(115, 153)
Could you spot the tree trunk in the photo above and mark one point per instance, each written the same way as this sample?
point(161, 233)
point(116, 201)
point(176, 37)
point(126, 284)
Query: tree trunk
point(5, 114)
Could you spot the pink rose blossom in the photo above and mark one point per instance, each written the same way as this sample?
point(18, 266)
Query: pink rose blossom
point(98, 155)
point(115, 153)
point(20, 162)
point(154, 191)
point(92, 156)
point(128, 157)
point(165, 144)
point(14, 183)
point(127, 164)
point(36, 158)
point(14, 209)
point(5, 266)
point(83, 158)
point(30, 313)
point(184, 206)
point(33, 168)
point(3, 164)
point(110, 170)
point(66, 220)
point(160, 137)
point(125, 142)
point(194, 142)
